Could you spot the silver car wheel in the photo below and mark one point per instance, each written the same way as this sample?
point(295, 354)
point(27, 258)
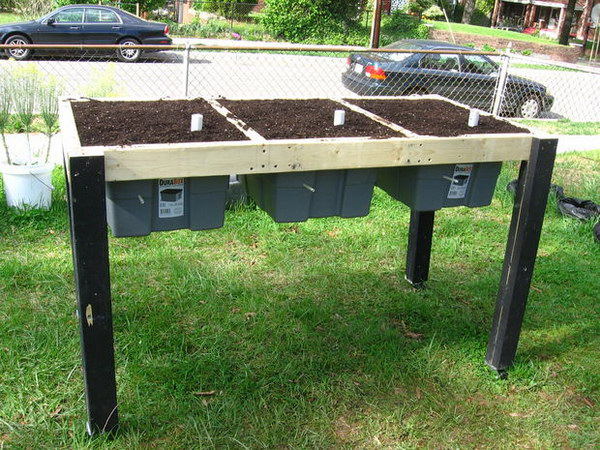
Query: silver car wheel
point(128, 54)
point(18, 53)
point(530, 108)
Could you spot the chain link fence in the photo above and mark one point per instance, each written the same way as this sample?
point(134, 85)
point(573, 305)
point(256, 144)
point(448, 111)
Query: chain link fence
point(505, 84)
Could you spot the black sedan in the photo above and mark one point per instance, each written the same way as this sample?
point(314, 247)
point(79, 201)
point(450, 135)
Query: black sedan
point(469, 79)
point(87, 25)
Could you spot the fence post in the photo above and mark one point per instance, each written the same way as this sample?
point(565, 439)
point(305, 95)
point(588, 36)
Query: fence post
point(501, 84)
point(186, 69)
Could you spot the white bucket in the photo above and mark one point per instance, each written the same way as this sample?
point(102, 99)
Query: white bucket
point(28, 186)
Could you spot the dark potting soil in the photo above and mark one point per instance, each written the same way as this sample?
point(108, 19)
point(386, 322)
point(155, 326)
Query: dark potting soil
point(434, 117)
point(302, 119)
point(150, 122)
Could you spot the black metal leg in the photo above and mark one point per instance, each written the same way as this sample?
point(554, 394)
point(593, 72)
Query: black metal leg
point(89, 240)
point(521, 249)
point(419, 246)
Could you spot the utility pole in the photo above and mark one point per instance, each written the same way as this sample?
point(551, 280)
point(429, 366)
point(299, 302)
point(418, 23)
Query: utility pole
point(375, 28)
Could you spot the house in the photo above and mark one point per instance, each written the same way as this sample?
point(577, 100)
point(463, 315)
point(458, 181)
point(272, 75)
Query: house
point(548, 16)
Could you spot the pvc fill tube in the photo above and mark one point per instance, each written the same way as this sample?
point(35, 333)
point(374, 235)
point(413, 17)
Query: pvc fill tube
point(473, 118)
point(197, 122)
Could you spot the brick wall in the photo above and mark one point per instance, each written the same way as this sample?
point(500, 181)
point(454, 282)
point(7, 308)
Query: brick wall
point(555, 52)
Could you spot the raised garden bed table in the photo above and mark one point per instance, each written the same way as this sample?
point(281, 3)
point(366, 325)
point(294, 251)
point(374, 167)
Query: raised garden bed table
point(245, 151)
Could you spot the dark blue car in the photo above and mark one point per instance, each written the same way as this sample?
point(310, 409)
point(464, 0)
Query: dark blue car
point(466, 78)
point(88, 25)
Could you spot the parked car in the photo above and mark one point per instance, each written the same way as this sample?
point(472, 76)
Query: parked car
point(470, 79)
point(85, 24)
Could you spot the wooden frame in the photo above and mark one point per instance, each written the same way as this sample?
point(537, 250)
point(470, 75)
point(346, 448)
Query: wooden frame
point(87, 169)
point(258, 155)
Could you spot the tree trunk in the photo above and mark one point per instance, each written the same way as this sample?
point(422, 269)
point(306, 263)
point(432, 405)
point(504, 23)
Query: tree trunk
point(565, 27)
point(469, 7)
point(496, 13)
point(583, 26)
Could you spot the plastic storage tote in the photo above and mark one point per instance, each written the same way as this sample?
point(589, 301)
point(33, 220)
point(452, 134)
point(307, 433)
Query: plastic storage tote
point(298, 196)
point(136, 208)
point(428, 188)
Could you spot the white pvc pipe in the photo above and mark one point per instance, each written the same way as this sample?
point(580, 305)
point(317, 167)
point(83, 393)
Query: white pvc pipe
point(197, 122)
point(339, 117)
point(473, 118)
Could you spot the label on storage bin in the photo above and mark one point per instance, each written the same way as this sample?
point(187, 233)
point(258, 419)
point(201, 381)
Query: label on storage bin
point(170, 197)
point(460, 180)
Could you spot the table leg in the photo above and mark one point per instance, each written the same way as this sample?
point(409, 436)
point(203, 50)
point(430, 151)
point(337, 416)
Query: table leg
point(521, 249)
point(89, 241)
point(419, 247)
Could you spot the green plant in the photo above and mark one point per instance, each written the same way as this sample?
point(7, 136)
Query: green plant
point(25, 90)
point(25, 96)
point(434, 12)
point(31, 9)
point(231, 9)
point(399, 25)
point(6, 100)
point(488, 48)
point(299, 20)
point(526, 52)
point(48, 104)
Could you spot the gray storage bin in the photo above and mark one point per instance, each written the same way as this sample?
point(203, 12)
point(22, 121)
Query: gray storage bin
point(136, 208)
point(428, 188)
point(298, 196)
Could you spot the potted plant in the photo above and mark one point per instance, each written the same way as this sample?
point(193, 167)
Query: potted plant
point(27, 172)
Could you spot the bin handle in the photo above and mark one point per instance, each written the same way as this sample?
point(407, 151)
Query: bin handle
point(453, 180)
point(41, 181)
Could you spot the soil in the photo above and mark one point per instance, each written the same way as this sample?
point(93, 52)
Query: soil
point(149, 122)
point(168, 121)
point(302, 119)
point(434, 117)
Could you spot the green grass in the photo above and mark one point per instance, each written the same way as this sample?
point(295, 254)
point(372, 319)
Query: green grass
point(564, 126)
point(10, 17)
point(542, 67)
point(492, 32)
point(308, 333)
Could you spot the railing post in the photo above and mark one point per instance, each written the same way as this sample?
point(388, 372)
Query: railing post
point(502, 76)
point(186, 69)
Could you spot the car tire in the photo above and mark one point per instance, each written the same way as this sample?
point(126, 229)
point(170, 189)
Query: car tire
point(415, 90)
point(19, 54)
point(529, 107)
point(128, 54)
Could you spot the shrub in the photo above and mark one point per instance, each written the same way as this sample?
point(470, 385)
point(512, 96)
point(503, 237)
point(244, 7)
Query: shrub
point(231, 9)
point(434, 12)
point(402, 26)
point(301, 20)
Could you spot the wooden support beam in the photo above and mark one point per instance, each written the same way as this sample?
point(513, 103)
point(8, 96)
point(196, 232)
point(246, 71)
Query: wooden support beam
point(420, 235)
point(521, 251)
point(89, 241)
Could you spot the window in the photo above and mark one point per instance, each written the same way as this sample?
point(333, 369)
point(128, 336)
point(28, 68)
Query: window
point(71, 15)
point(97, 15)
point(440, 62)
point(479, 64)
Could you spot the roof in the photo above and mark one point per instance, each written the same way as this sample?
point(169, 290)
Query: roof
point(428, 44)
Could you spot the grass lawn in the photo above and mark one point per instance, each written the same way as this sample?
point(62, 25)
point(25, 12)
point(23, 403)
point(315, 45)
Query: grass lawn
point(564, 126)
point(493, 32)
point(307, 333)
point(9, 17)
